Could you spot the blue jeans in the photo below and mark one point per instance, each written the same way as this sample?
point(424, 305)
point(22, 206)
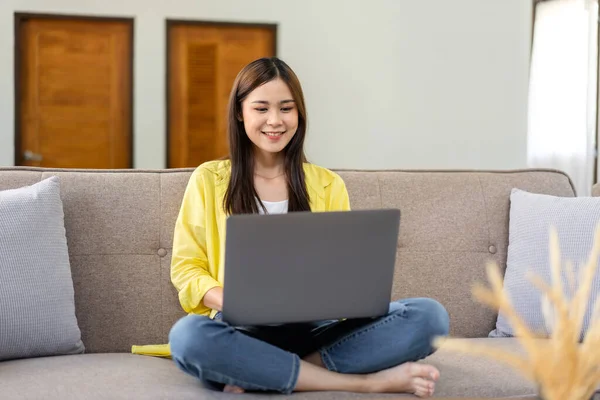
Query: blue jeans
point(267, 358)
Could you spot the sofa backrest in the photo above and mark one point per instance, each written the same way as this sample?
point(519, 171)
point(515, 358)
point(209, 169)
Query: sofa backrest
point(119, 228)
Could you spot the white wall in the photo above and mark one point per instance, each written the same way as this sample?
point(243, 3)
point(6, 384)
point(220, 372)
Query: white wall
point(389, 83)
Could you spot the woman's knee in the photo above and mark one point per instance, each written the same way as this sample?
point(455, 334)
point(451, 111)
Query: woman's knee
point(435, 317)
point(431, 314)
point(192, 337)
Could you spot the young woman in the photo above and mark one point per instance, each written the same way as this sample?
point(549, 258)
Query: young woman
point(266, 172)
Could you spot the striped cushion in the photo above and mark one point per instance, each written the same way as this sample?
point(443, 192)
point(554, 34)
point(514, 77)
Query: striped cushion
point(531, 216)
point(37, 309)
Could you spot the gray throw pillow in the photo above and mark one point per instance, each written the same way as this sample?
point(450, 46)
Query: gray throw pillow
point(37, 305)
point(531, 216)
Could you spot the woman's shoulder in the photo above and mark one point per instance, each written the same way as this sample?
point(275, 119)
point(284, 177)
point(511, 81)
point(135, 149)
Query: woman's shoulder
point(213, 171)
point(216, 171)
point(320, 175)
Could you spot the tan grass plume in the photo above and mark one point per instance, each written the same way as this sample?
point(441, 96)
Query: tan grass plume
point(565, 366)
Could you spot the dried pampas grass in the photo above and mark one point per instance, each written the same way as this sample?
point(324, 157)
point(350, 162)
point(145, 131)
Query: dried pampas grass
point(564, 366)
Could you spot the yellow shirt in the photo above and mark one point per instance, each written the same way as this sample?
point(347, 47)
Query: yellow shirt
point(199, 235)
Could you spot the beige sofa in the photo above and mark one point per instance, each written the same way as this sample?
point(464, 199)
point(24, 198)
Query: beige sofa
point(119, 227)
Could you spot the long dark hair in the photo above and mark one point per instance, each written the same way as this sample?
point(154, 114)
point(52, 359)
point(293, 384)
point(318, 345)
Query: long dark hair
point(240, 197)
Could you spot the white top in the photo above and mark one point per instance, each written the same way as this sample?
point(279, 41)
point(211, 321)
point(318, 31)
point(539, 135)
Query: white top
point(274, 207)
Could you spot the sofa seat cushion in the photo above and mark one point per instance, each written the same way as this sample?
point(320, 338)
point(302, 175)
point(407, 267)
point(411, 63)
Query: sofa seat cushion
point(472, 376)
point(96, 376)
point(128, 376)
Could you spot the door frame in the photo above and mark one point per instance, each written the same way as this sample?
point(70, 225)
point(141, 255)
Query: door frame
point(19, 18)
point(169, 24)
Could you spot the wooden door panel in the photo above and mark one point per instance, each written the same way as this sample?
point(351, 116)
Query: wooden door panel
point(56, 140)
point(203, 63)
point(75, 90)
point(83, 90)
point(201, 118)
point(85, 48)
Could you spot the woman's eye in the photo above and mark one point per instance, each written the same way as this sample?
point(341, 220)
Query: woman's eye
point(287, 109)
point(261, 109)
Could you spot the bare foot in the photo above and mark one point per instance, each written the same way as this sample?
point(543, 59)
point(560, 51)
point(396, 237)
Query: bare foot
point(233, 389)
point(415, 378)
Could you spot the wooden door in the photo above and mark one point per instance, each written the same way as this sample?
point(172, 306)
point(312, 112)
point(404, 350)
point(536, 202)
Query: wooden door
point(74, 92)
point(203, 61)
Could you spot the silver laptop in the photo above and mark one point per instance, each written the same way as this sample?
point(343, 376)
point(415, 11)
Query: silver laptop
point(304, 266)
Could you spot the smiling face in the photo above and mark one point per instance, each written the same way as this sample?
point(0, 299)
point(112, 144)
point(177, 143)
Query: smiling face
point(270, 116)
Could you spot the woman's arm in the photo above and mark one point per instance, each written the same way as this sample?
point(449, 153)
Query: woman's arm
point(214, 298)
point(189, 264)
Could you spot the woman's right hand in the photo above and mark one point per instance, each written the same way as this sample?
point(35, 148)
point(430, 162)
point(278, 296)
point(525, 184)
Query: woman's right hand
point(214, 298)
